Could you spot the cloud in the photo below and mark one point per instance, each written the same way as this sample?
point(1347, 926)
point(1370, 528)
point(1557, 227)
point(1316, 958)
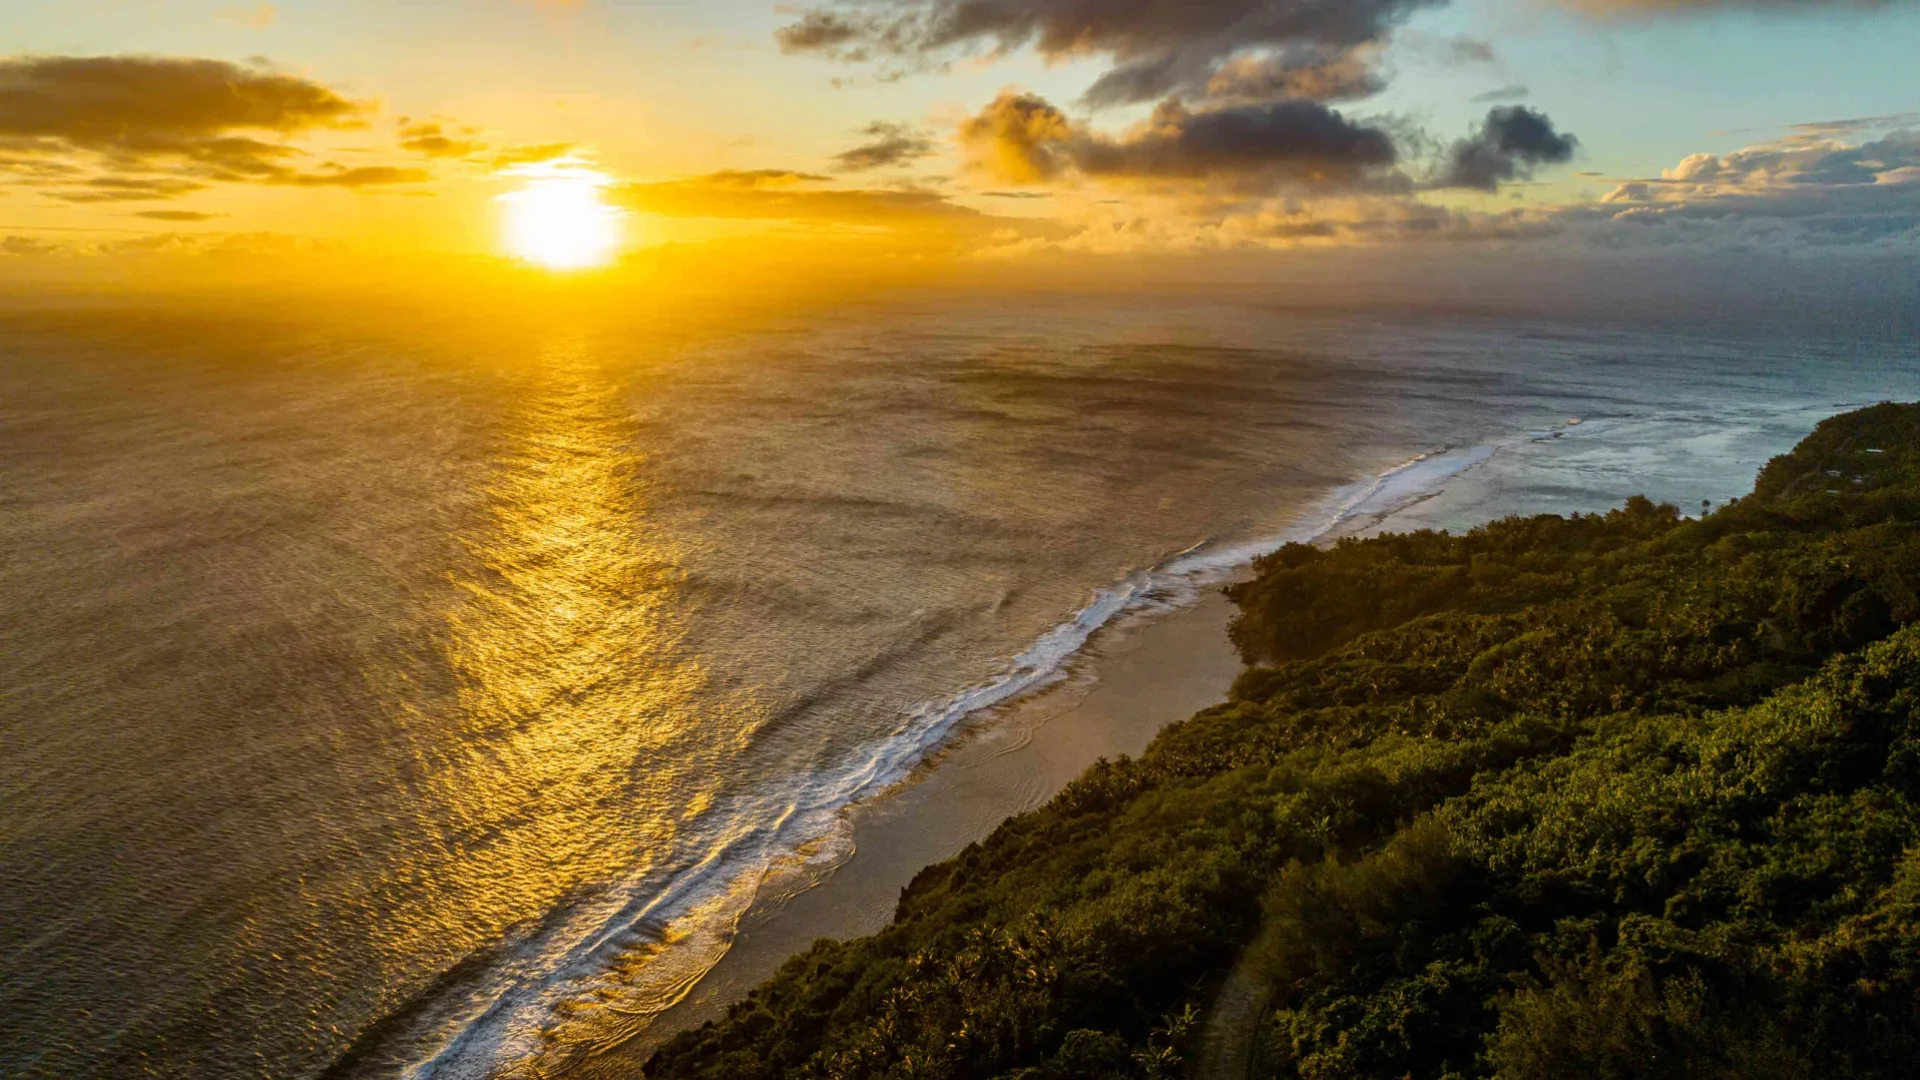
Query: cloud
point(1399, 220)
point(1512, 142)
point(364, 176)
point(177, 215)
point(150, 187)
point(1243, 94)
point(1783, 194)
point(777, 194)
point(1023, 139)
point(1155, 48)
point(1466, 50)
point(1302, 74)
point(758, 178)
point(1515, 92)
point(208, 245)
point(39, 169)
point(827, 32)
point(1276, 223)
point(532, 154)
point(147, 104)
point(25, 245)
point(1790, 197)
point(893, 144)
point(1299, 139)
point(1794, 165)
point(1829, 129)
point(432, 139)
point(104, 189)
point(126, 128)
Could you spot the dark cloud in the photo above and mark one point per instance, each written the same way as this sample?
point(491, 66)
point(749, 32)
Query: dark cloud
point(827, 32)
point(130, 128)
point(1296, 138)
point(1853, 216)
point(143, 104)
point(893, 144)
point(1156, 48)
point(1024, 139)
point(1301, 74)
point(433, 139)
point(224, 157)
point(103, 189)
point(1020, 138)
point(40, 168)
point(365, 176)
point(1404, 220)
point(1788, 197)
point(757, 178)
point(177, 215)
point(142, 187)
point(1516, 92)
point(1512, 142)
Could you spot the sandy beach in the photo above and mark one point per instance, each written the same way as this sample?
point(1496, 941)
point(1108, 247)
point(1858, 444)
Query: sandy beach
point(1137, 677)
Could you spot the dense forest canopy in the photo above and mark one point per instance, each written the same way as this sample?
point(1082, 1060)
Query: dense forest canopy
point(1628, 794)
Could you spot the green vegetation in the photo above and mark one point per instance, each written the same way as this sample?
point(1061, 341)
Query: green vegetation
point(1620, 795)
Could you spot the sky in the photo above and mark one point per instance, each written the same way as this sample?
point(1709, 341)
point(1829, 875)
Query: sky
point(988, 131)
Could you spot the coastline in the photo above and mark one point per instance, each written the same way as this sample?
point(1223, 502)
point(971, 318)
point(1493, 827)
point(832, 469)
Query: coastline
point(1145, 653)
point(927, 794)
point(1135, 673)
point(1155, 867)
point(1131, 681)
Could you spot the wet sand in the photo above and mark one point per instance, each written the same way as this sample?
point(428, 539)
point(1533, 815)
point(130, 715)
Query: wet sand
point(1136, 678)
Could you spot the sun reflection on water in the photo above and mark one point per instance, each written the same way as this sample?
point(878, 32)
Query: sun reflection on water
point(579, 705)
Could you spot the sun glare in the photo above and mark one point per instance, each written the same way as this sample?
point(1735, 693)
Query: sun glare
point(557, 219)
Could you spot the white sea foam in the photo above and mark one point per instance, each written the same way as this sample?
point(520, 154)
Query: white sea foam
point(690, 921)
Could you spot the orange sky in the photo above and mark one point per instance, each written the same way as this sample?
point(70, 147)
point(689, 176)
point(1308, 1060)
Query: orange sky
point(232, 134)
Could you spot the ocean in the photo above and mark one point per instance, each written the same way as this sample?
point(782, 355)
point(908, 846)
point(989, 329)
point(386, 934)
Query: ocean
point(426, 697)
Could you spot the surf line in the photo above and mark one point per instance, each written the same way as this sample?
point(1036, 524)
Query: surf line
point(501, 1030)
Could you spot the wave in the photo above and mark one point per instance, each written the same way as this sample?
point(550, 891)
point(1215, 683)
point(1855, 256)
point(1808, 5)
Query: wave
point(680, 923)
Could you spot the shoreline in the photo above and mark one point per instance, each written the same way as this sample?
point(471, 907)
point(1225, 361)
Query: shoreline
point(1152, 650)
point(1060, 674)
point(967, 985)
point(1134, 679)
point(1133, 675)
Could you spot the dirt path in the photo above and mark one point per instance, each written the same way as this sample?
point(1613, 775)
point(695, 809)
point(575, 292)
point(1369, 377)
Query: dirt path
point(1227, 1042)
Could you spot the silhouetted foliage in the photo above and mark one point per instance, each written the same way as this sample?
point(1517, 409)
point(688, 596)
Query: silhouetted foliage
point(1617, 795)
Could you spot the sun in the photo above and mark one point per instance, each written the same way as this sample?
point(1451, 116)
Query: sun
point(557, 220)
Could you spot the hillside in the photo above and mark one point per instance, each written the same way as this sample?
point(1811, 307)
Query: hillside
point(1612, 795)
